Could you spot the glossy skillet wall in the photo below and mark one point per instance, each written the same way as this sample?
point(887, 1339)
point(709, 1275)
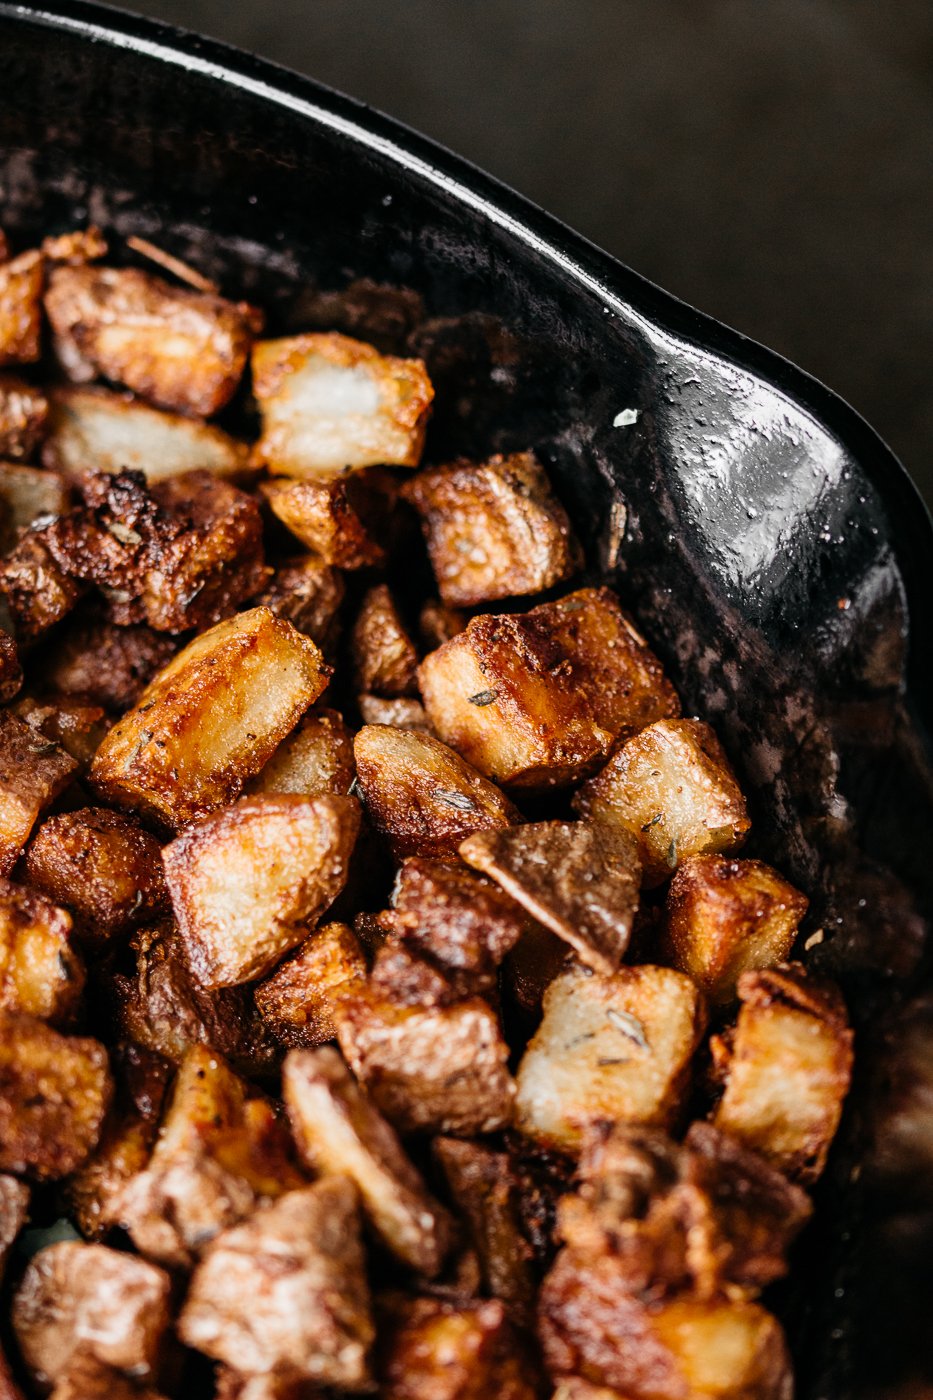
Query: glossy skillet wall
point(770, 545)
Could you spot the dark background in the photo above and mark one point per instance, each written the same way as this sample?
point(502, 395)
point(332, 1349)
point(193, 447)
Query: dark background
point(769, 162)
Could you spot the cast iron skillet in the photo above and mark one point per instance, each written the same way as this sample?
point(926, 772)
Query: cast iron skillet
point(772, 547)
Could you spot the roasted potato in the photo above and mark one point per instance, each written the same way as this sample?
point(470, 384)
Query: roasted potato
point(14, 1212)
point(78, 246)
point(37, 591)
point(384, 657)
point(94, 660)
point(76, 726)
point(86, 1378)
point(24, 410)
point(308, 594)
point(671, 787)
point(11, 670)
point(297, 1002)
point(330, 403)
point(332, 518)
point(403, 712)
point(437, 624)
point(430, 1349)
point(210, 720)
point(21, 308)
point(455, 916)
point(33, 772)
point(40, 971)
point(29, 493)
point(315, 759)
point(530, 968)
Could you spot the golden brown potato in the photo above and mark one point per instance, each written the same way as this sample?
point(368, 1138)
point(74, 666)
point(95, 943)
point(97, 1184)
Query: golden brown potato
point(435, 1350)
point(316, 758)
point(33, 772)
point(247, 882)
point(725, 917)
point(102, 866)
point(455, 916)
point(285, 1293)
point(40, 971)
point(308, 594)
point(180, 349)
point(297, 1002)
point(28, 493)
point(421, 795)
point(494, 529)
point(671, 787)
point(21, 308)
point(579, 880)
point(535, 700)
point(339, 1132)
point(329, 403)
point(86, 1378)
point(333, 518)
point(24, 410)
point(95, 429)
point(383, 655)
point(401, 713)
point(86, 1298)
point(77, 727)
point(610, 1047)
point(14, 1212)
point(94, 660)
point(211, 719)
point(37, 591)
point(786, 1070)
point(79, 246)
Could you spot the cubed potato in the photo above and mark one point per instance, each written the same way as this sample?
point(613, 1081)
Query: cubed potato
point(180, 349)
point(102, 866)
point(87, 1298)
point(609, 1047)
point(73, 725)
point(33, 772)
point(330, 403)
point(403, 712)
point(536, 700)
point(78, 246)
point(24, 411)
point(28, 493)
point(211, 719)
point(334, 518)
point(95, 429)
point(247, 882)
point(21, 308)
point(86, 1378)
point(578, 879)
point(787, 1069)
point(340, 1132)
point(308, 594)
point(37, 591)
point(286, 1293)
point(14, 1212)
point(494, 529)
point(298, 1001)
point(93, 659)
point(455, 916)
point(383, 655)
point(430, 1349)
point(435, 1069)
point(421, 795)
point(437, 624)
point(316, 758)
point(406, 977)
point(672, 788)
point(40, 971)
point(725, 917)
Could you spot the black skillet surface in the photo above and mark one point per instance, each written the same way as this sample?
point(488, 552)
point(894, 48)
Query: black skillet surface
point(771, 546)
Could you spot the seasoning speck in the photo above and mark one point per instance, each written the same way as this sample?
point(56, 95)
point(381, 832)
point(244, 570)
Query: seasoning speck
point(629, 1025)
point(483, 697)
point(458, 800)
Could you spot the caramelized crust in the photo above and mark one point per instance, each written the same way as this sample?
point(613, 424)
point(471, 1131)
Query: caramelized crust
point(435, 1350)
point(307, 593)
point(40, 971)
point(383, 655)
point(21, 308)
point(298, 1001)
point(107, 665)
point(333, 518)
point(33, 772)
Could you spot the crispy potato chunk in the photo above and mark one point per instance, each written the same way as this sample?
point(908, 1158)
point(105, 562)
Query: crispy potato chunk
point(14, 1212)
point(433, 1069)
point(36, 589)
point(329, 403)
point(95, 660)
point(21, 308)
point(787, 1069)
point(180, 349)
point(95, 429)
point(384, 657)
point(421, 795)
point(672, 788)
point(308, 594)
point(726, 917)
point(28, 493)
point(297, 1002)
point(87, 1298)
point(577, 879)
point(86, 1378)
point(24, 410)
point(102, 866)
point(402, 712)
point(609, 1048)
point(435, 1350)
point(339, 1132)
point(247, 882)
point(455, 916)
point(333, 518)
point(33, 772)
point(494, 529)
point(535, 700)
point(40, 972)
point(76, 727)
point(285, 1294)
point(211, 719)
point(315, 759)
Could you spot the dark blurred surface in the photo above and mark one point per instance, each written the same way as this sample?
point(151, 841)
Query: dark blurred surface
point(768, 163)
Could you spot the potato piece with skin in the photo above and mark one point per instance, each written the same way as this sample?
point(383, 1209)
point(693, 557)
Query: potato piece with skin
point(297, 1003)
point(24, 411)
point(459, 918)
point(21, 308)
point(210, 720)
point(383, 655)
point(76, 727)
point(33, 772)
point(672, 788)
point(613, 1047)
point(308, 594)
point(401, 713)
point(180, 349)
point(435, 1350)
point(421, 795)
point(285, 1294)
point(247, 882)
point(41, 973)
point(725, 917)
point(333, 518)
point(437, 624)
point(28, 494)
point(37, 591)
point(316, 758)
point(786, 1070)
point(87, 1298)
point(329, 403)
point(14, 1212)
point(94, 660)
point(580, 880)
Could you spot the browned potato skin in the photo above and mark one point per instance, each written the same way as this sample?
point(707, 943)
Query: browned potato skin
point(383, 655)
point(33, 772)
point(21, 308)
point(434, 1350)
point(95, 660)
point(179, 349)
point(41, 974)
point(316, 758)
point(14, 1212)
point(24, 411)
point(297, 1002)
point(437, 624)
point(459, 918)
point(103, 867)
point(86, 1378)
point(38, 592)
point(308, 594)
point(725, 917)
point(77, 727)
point(205, 725)
point(672, 788)
point(403, 712)
point(421, 795)
point(786, 1069)
point(329, 517)
point(285, 1293)
point(494, 529)
point(86, 1297)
